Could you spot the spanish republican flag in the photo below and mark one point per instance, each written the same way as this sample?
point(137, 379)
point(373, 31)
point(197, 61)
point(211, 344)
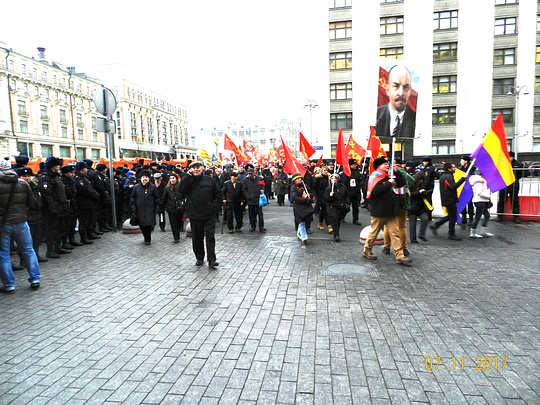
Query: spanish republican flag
point(354, 150)
point(492, 158)
point(305, 147)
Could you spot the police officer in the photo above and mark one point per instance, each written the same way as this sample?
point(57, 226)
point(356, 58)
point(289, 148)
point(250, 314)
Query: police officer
point(55, 206)
point(98, 185)
point(87, 199)
point(104, 208)
point(68, 226)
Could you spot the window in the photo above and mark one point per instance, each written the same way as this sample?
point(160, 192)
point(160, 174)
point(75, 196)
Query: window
point(392, 53)
point(339, 3)
point(44, 114)
point(535, 145)
point(80, 134)
point(64, 133)
point(504, 57)
point(445, 20)
point(443, 147)
point(340, 30)
point(81, 154)
point(44, 76)
point(95, 136)
point(536, 115)
point(445, 52)
point(507, 114)
point(22, 109)
point(46, 150)
point(34, 73)
point(45, 129)
point(79, 120)
point(538, 23)
point(341, 91)
point(65, 151)
point(391, 1)
point(391, 25)
point(95, 154)
point(537, 84)
point(501, 86)
point(23, 70)
point(538, 54)
point(443, 115)
point(340, 60)
point(341, 120)
point(505, 26)
point(25, 149)
point(501, 2)
point(63, 117)
point(23, 125)
point(444, 84)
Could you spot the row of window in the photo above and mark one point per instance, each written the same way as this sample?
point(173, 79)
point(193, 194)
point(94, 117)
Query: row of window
point(333, 4)
point(45, 130)
point(63, 151)
point(439, 116)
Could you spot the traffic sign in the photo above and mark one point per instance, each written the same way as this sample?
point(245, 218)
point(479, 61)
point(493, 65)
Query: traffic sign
point(105, 101)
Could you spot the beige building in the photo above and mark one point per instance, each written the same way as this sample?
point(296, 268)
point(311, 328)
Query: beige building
point(46, 109)
point(474, 60)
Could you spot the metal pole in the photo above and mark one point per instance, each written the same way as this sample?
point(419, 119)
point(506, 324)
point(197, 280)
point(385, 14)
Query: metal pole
point(516, 127)
point(110, 153)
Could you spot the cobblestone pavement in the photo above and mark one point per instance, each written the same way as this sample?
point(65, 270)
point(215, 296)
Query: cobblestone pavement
point(121, 322)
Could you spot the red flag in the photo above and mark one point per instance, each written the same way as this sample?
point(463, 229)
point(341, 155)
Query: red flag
point(341, 154)
point(280, 152)
point(305, 147)
point(319, 162)
point(241, 157)
point(292, 165)
point(374, 148)
point(354, 150)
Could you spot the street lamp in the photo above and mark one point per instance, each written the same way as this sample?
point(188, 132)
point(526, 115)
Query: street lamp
point(516, 91)
point(311, 104)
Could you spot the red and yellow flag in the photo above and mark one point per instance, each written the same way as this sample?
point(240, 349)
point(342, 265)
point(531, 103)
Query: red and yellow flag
point(305, 147)
point(354, 150)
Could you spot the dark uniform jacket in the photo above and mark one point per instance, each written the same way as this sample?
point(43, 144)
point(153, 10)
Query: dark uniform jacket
point(203, 196)
point(69, 186)
point(87, 196)
point(53, 194)
point(33, 213)
point(21, 200)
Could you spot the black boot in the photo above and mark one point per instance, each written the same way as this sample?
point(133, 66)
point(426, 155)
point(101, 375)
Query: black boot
point(92, 235)
point(65, 245)
point(85, 240)
point(72, 241)
point(51, 254)
point(61, 251)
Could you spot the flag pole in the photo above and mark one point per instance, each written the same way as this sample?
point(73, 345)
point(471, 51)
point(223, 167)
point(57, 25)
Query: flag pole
point(470, 166)
point(391, 171)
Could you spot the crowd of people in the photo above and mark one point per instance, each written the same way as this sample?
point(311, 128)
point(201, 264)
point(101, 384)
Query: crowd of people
point(60, 201)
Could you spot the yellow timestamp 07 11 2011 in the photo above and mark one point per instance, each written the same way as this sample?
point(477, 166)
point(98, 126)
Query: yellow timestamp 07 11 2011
point(458, 363)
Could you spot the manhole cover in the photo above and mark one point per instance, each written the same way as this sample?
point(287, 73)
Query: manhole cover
point(348, 269)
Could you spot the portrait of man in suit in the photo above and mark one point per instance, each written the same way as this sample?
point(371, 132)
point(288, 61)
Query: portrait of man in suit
point(397, 118)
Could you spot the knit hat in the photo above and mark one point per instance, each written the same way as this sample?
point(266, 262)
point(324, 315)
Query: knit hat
point(145, 173)
point(296, 176)
point(4, 164)
point(379, 161)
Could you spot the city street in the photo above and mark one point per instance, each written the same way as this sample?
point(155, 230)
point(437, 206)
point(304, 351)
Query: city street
point(279, 323)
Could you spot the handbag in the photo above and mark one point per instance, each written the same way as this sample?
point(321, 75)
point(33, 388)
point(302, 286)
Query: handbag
point(263, 201)
point(134, 219)
point(489, 204)
point(179, 205)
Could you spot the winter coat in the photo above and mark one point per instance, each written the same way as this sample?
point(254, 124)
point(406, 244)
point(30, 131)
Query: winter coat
point(144, 201)
point(417, 199)
point(233, 194)
point(302, 202)
point(252, 189)
point(22, 199)
point(481, 191)
point(53, 194)
point(203, 197)
point(384, 202)
point(448, 188)
point(320, 183)
point(169, 198)
point(353, 182)
point(282, 183)
point(87, 196)
point(33, 213)
point(341, 198)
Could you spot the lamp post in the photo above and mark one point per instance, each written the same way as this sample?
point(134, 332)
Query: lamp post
point(311, 104)
point(516, 91)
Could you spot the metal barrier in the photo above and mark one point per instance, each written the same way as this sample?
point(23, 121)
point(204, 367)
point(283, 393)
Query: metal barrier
point(528, 197)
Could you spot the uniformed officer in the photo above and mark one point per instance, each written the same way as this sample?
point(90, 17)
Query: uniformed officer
point(68, 226)
point(87, 198)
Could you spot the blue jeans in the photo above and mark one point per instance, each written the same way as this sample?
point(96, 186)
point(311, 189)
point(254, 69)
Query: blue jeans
point(20, 233)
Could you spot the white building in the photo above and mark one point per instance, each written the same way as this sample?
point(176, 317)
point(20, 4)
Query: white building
point(474, 59)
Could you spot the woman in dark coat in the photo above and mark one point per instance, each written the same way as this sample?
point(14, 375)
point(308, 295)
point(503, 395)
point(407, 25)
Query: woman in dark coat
point(172, 202)
point(336, 197)
point(282, 185)
point(144, 202)
point(419, 191)
point(322, 180)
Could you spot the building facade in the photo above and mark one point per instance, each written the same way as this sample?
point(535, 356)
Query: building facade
point(48, 110)
point(474, 60)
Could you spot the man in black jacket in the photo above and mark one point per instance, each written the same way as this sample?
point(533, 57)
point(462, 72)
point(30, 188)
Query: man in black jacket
point(15, 198)
point(511, 191)
point(449, 198)
point(87, 199)
point(233, 202)
point(203, 199)
point(253, 186)
point(354, 186)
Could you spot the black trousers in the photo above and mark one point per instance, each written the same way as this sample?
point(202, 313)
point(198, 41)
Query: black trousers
point(234, 213)
point(51, 225)
point(201, 229)
point(450, 218)
point(86, 220)
point(355, 205)
point(176, 224)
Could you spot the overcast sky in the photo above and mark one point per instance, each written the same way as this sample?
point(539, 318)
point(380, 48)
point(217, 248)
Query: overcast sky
point(224, 60)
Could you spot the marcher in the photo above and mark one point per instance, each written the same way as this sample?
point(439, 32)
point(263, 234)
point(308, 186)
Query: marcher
point(15, 198)
point(322, 181)
point(419, 195)
point(449, 198)
point(384, 209)
point(302, 206)
point(253, 186)
point(465, 166)
point(144, 203)
point(172, 202)
point(481, 200)
point(337, 201)
point(354, 186)
point(282, 185)
point(160, 184)
point(203, 199)
point(233, 203)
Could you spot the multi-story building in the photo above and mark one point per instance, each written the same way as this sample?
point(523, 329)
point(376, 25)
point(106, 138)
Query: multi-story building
point(474, 60)
point(47, 110)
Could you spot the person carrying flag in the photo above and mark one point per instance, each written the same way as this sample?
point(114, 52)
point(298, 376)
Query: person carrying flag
point(384, 209)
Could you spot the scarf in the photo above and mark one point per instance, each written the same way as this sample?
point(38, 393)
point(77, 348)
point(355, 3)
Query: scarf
point(374, 178)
